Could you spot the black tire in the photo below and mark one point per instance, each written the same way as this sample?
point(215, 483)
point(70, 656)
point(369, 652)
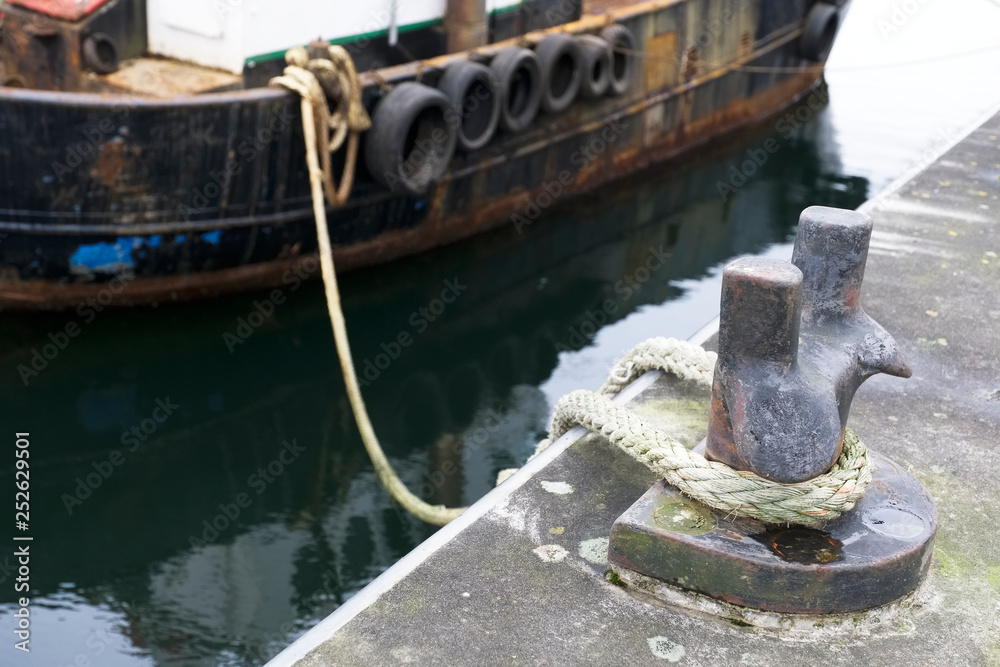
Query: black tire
point(622, 44)
point(562, 69)
point(596, 66)
point(410, 143)
point(519, 79)
point(100, 53)
point(472, 90)
point(820, 31)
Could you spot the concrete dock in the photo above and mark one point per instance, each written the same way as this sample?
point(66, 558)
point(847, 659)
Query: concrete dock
point(522, 576)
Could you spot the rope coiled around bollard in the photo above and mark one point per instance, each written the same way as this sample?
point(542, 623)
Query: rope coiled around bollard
point(737, 492)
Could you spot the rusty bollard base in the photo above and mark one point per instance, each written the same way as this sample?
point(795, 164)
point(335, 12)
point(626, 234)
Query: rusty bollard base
point(794, 346)
point(878, 552)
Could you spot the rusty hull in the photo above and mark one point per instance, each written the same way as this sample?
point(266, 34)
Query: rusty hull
point(509, 183)
point(391, 245)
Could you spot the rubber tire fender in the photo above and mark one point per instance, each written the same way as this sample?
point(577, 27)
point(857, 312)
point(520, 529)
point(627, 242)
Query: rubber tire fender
point(596, 66)
point(557, 52)
point(465, 80)
point(623, 66)
point(519, 79)
point(410, 143)
point(100, 53)
point(820, 31)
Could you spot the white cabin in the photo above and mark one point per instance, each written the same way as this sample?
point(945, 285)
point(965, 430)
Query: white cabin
point(229, 34)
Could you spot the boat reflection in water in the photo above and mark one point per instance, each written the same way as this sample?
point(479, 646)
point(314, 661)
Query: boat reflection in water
point(215, 543)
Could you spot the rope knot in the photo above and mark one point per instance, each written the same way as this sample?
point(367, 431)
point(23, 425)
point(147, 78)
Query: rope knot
point(325, 84)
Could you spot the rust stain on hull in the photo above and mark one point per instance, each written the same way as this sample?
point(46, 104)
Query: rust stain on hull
point(633, 154)
point(113, 158)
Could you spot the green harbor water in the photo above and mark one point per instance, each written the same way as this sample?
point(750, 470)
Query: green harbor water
point(199, 493)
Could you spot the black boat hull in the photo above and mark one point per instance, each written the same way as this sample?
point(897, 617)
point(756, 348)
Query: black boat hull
point(129, 200)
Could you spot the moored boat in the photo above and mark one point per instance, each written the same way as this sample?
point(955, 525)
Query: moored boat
point(144, 158)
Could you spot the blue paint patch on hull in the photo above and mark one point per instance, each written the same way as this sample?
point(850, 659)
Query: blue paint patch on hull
point(110, 258)
point(212, 237)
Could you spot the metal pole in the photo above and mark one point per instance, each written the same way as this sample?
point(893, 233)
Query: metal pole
point(467, 25)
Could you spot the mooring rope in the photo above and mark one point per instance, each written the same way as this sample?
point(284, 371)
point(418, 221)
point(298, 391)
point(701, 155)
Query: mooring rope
point(316, 126)
point(736, 492)
point(686, 361)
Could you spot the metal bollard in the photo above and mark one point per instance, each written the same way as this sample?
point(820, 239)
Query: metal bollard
point(794, 346)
